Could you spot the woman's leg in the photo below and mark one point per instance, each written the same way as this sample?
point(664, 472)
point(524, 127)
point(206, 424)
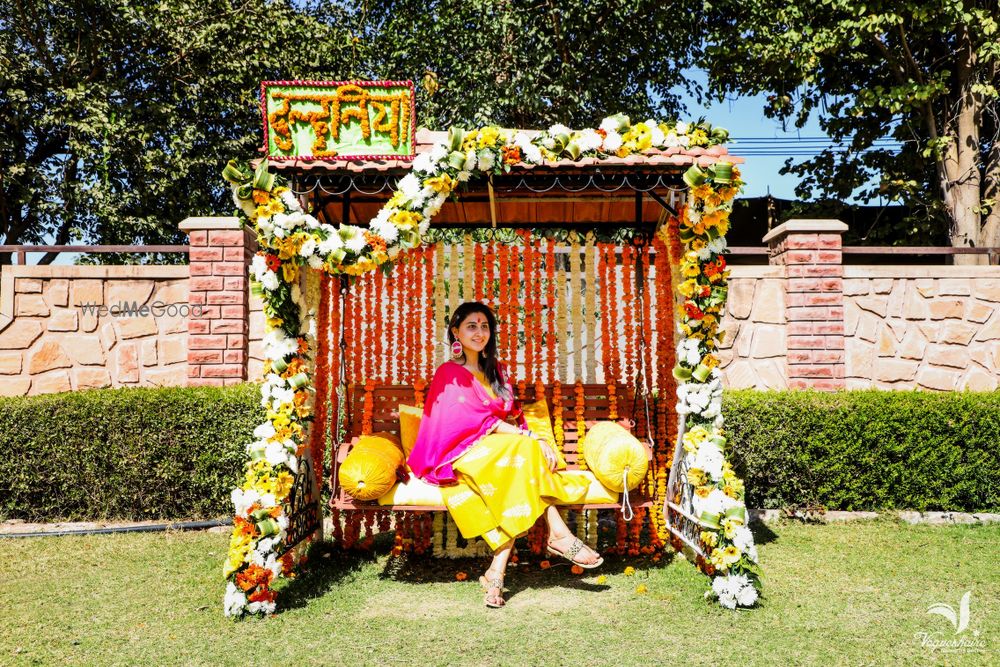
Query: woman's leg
point(496, 570)
point(562, 539)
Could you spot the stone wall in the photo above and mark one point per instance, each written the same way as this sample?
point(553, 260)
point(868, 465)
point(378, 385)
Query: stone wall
point(803, 321)
point(754, 348)
point(50, 341)
point(932, 327)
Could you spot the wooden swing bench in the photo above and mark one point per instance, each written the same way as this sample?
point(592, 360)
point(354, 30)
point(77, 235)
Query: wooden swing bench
point(385, 418)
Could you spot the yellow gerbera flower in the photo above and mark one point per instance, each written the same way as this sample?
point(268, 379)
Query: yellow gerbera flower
point(443, 183)
point(406, 219)
point(488, 136)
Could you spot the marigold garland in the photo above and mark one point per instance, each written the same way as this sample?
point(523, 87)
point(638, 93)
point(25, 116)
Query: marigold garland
point(550, 305)
point(529, 305)
point(290, 239)
point(490, 274)
point(469, 280)
point(628, 311)
point(575, 305)
point(479, 273)
point(590, 304)
point(429, 255)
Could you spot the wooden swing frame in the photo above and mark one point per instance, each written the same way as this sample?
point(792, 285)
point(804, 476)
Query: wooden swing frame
point(349, 195)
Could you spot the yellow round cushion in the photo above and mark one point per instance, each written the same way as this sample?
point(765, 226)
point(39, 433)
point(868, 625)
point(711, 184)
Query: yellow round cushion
point(615, 456)
point(369, 470)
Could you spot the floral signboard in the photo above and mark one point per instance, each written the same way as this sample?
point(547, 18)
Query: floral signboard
point(338, 120)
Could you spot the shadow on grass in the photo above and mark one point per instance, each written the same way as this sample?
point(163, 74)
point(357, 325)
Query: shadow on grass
point(762, 533)
point(326, 567)
point(526, 574)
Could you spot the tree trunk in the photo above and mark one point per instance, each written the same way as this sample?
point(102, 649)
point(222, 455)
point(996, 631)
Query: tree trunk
point(963, 179)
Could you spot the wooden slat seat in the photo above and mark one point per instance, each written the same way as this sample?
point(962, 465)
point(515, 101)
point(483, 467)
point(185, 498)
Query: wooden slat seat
point(385, 418)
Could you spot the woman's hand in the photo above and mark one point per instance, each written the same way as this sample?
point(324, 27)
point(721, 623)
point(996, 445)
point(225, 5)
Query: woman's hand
point(549, 453)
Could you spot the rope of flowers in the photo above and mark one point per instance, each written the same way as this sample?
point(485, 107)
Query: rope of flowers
point(290, 239)
point(718, 499)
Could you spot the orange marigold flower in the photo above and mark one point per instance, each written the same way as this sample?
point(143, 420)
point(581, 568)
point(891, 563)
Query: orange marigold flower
point(511, 154)
point(576, 569)
point(461, 576)
point(545, 564)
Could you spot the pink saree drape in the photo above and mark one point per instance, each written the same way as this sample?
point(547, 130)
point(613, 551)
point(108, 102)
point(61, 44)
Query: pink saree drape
point(457, 412)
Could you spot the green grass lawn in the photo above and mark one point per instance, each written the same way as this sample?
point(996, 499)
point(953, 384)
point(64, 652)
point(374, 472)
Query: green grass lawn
point(852, 594)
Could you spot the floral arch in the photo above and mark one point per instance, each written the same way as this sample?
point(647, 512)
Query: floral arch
point(296, 248)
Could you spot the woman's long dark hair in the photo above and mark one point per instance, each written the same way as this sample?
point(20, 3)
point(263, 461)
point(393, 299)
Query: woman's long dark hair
point(488, 357)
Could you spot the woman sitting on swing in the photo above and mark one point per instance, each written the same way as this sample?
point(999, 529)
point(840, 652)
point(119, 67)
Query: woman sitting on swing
point(496, 478)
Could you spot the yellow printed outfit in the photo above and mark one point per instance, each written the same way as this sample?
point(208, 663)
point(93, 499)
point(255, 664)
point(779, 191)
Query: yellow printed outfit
point(504, 485)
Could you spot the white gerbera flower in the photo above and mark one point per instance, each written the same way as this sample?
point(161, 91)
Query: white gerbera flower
point(609, 125)
point(656, 134)
point(612, 142)
point(681, 127)
point(671, 140)
point(486, 160)
point(310, 221)
point(422, 163)
point(234, 601)
point(559, 128)
point(308, 247)
point(353, 237)
point(437, 153)
point(410, 186)
point(589, 140)
point(265, 431)
point(315, 262)
point(258, 266)
point(269, 280)
point(385, 229)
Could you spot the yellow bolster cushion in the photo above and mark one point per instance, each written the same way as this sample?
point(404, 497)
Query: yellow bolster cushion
point(419, 493)
point(540, 422)
point(369, 470)
point(409, 425)
point(615, 456)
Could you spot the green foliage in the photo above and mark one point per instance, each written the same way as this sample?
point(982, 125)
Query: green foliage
point(920, 72)
point(867, 450)
point(531, 64)
point(116, 117)
point(172, 453)
point(175, 453)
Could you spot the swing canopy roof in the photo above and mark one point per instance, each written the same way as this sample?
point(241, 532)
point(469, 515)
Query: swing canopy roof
point(589, 192)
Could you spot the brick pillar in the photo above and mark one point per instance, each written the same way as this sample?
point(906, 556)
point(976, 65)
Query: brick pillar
point(218, 336)
point(810, 251)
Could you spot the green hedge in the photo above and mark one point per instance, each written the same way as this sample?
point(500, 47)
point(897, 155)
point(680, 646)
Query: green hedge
point(868, 450)
point(171, 453)
point(176, 453)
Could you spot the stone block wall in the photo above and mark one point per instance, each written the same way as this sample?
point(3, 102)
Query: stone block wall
point(753, 351)
point(59, 330)
point(929, 327)
point(804, 321)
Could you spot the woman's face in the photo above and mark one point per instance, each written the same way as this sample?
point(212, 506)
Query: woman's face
point(473, 332)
